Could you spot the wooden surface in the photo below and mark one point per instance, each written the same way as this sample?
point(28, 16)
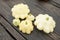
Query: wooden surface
point(9, 32)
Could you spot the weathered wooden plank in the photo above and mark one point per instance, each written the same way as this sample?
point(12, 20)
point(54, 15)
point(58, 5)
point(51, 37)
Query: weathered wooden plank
point(36, 10)
point(54, 36)
point(10, 29)
point(4, 34)
point(50, 9)
point(51, 12)
point(55, 3)
point(35, 35)
point(29, 37)
point(55, 11)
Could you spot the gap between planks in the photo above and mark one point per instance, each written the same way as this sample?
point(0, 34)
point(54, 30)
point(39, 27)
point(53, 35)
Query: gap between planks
point(10, 29)
point(35, 35)
point(4, 35)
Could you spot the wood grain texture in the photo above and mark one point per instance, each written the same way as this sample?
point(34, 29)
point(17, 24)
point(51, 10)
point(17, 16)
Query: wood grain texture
point(49, 9)
point(4, 35)
point(34, 36)
point(10, 29)
point(56, 3)
point(36, 8)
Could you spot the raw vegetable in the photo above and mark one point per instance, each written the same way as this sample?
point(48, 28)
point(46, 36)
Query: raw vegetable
point(45, 23)
point(26, 26)
point(16, 22)
point(20, 11)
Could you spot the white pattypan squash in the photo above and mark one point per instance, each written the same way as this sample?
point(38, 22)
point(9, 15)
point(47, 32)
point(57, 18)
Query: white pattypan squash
point(45, 23)
point(20, 11)
point(26, 26)
point(16, 22)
